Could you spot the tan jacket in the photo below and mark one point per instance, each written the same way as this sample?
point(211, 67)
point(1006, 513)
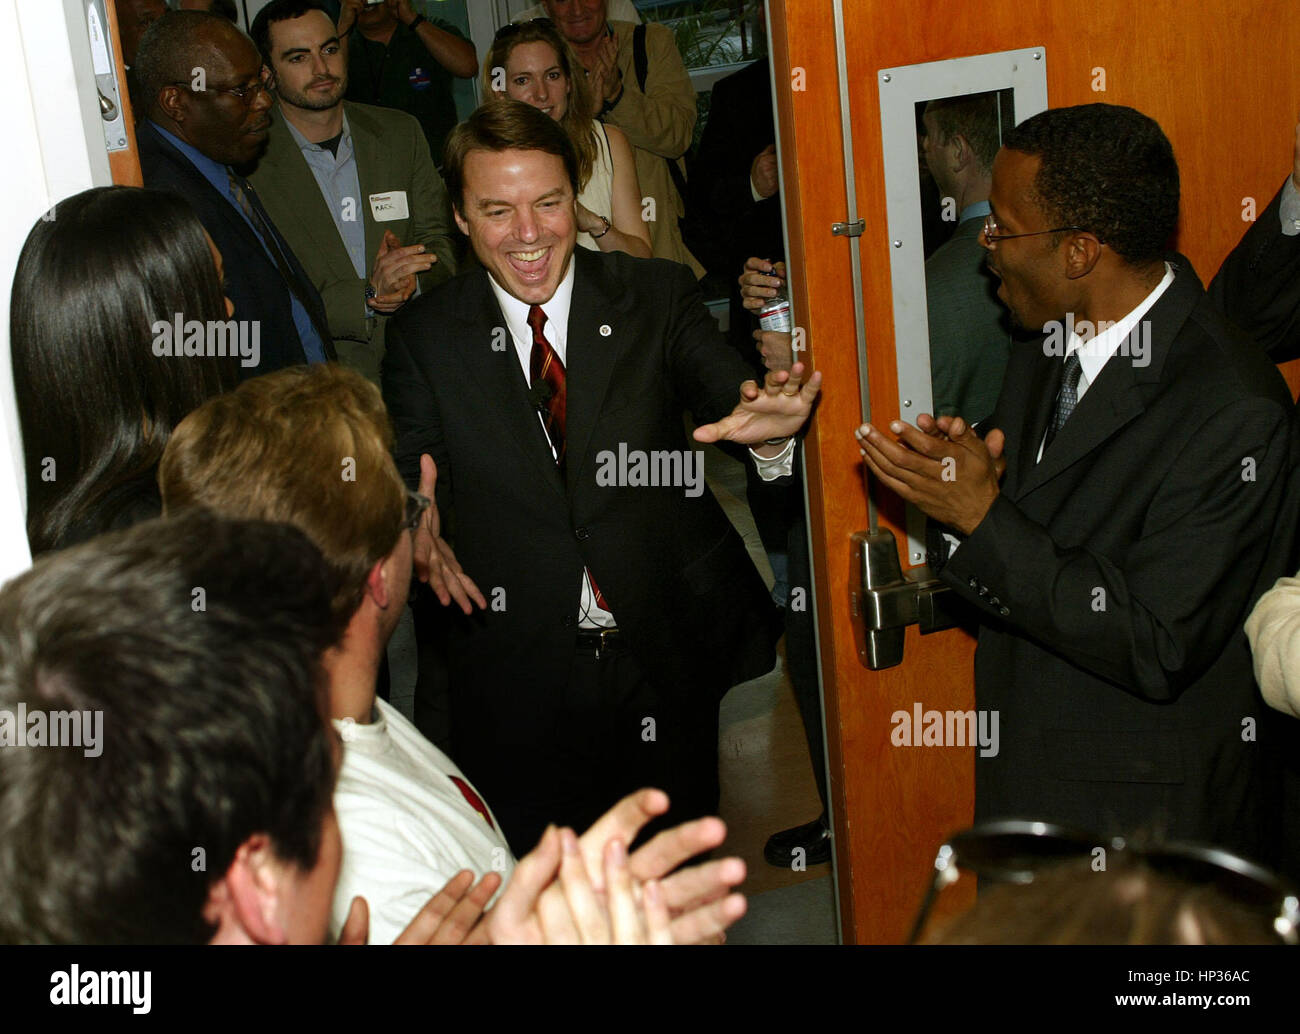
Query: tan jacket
point(392, 155)
point(660, 125)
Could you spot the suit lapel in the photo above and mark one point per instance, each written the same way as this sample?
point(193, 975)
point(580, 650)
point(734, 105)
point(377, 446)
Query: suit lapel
point(501, 380)
point(1108, 405)
point(1121, 389)
point(287, 174)
point(372, 169)
point(600, 330)
point(1040, 401)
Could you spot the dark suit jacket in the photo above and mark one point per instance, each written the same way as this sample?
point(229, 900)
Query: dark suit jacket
point(253, 281)
point(723, 219)
point(678, 578)
point(1258, 285)
point(1114, 577)
point(391, 154)
point(724, 224)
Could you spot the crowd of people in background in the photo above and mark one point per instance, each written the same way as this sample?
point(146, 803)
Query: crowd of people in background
point(345, 352)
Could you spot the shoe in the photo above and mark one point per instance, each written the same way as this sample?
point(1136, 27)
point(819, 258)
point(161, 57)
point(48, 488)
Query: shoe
point(814, 837)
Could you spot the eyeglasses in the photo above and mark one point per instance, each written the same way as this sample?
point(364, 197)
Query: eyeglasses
point(247, 94)
point(1015, 851)
point(991, 234)
point(512, 28)
point(416, 504)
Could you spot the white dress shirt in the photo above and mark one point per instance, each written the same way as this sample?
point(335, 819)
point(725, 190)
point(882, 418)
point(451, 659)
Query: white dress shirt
point(1096, 352)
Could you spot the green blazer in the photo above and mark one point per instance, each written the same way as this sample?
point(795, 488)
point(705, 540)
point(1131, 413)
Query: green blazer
point(392, 155)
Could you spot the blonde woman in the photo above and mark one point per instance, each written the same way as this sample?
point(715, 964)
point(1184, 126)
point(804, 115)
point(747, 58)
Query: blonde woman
point(531, 62)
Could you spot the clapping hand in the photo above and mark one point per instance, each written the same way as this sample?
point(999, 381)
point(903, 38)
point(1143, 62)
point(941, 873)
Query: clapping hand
point(449, 917)
point(698, 901)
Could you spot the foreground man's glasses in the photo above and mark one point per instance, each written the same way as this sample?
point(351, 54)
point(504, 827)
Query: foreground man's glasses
point(1015, 851)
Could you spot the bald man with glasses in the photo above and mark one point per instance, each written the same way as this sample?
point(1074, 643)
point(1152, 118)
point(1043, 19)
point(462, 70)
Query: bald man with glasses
point(206, 115)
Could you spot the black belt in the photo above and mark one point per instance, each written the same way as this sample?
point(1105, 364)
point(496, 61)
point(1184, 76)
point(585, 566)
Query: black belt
point(597, 640)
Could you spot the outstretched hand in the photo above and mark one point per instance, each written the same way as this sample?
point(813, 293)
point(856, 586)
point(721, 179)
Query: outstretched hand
point(700, 897)
point(776, 410)
point(435, 563)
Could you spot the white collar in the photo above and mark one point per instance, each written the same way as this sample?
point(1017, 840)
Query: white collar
point(372, 733)
point(556, 309)
point(1096, 349)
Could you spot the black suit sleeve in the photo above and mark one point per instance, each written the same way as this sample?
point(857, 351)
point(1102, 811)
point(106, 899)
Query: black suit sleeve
point(413, 407)
point(1258, 285)
point(706, 373)
point(1155, 621)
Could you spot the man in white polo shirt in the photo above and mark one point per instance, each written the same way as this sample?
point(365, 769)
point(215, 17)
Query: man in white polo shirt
point(310, 446)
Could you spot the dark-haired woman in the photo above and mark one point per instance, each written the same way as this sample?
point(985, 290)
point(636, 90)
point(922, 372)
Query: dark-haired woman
point(95, 402)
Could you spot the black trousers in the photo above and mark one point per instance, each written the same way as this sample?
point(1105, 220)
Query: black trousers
point(612, 732)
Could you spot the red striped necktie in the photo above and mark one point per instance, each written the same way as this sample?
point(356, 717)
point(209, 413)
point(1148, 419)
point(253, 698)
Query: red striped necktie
point(544, 366)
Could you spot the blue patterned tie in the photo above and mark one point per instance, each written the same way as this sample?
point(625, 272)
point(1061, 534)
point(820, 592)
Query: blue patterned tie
point(1067, 398)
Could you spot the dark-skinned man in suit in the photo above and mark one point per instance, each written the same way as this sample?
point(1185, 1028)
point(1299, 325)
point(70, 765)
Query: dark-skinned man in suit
point(206, 119)
point(621, 610)
point(1129, 501)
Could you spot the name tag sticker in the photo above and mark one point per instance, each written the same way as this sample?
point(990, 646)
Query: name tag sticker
point(390, 206)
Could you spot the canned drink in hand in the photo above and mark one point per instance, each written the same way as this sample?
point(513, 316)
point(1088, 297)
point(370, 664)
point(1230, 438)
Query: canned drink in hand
point(775, 315)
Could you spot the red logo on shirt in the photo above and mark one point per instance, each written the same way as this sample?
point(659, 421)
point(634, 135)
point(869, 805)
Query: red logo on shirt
point(475, 801)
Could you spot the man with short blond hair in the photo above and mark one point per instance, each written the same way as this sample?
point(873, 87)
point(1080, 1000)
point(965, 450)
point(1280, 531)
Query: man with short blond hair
point(311, 447)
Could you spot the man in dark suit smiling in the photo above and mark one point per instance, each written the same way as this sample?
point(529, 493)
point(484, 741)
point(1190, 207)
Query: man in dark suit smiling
point(1128, 503)
point(618, 614)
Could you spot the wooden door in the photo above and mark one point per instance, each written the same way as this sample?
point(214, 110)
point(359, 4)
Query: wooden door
point(1226, 93)
point(126, 163)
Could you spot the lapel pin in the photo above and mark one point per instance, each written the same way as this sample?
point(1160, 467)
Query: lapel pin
point(604, 330)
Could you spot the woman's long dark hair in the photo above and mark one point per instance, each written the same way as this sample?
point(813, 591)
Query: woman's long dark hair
point(96, 405)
